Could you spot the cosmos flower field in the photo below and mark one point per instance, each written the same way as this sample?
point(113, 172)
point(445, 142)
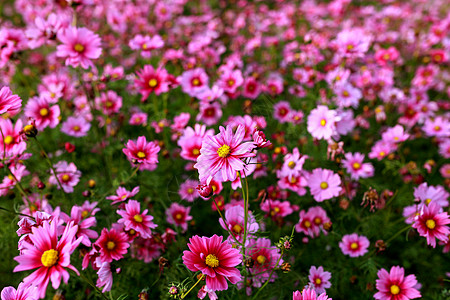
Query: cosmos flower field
point(224, 149)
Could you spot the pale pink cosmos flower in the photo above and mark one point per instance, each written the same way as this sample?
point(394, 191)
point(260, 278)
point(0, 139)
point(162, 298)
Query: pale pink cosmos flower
point(230, 80)
point(439, 127)
point(215, 259)
point(80, 46)
point(76, 126)
point(178, 215)
point(319, 278)
point(293, 164)
point(188, 190)
point(354, 245)
point(132, 218)
point(24, 292)
point(432, 224)
point(193, 82)
point(68, 176)
point(9, 182)
point(347, 95)
point(9, 101)
point(381, 149)
point(322, 122)
point(146, 44)
point(235, 222)
point(105, 278)
point(221, 155)
point(123, 194)
point(76, 218)
point(355, 166)
point(394, 285)
point(138, 118)
point(43, 114)
point(309, 293)
point(324, 184)
point(395, 135)
point(427, 194)
point(50, 255)
point(141, 151)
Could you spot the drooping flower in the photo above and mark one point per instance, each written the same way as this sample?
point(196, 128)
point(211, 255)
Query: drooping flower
point(221, 155)
point(50, 255)
point(132, 218)
point(215, 259)
point(395, 286)
point(80, 46)
point(354, 245)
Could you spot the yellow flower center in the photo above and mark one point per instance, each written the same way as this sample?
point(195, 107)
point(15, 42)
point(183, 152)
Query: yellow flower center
point(382, 153)
point(190, 190)
point(178, 216)
point(212, 261)
point(261, 259)
point(152, 82)
point(307, 224)
point(356, 166)
point(110, 245)
point(427, 201)
point(317, 221)
point(431, 224)
point(195, 151)
point(223, 151)
point(354, 246)
point(140, 154)
point(293, 180)
point(230, 82)
point(8, 139)
point(195, 82)
point(437, 128)
point(76, 128)
point(144, 46)
point(78, 47)
point(350, 47)
point(49, 258)
point(84, 213)
point(237, 228)
point(65, 178)
point(395, 290)
point(345, 93)
point(323, 185)
point(318, 281)
point(43, 112)
point(109, 104)
point(138, 218)
point(323, 122)
point(291, 164)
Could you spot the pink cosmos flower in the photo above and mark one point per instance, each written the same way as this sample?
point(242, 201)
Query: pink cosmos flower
point(141, 152)
point(178, 215)
point(252, 88)
point(132, 218)
point(188, 190)
point(76, 218)
point(309, 294)
point(354, 245)
point(395, 135)
point(282, 111)
point(150, 80)
point(276, 209)
point(432, 224)
point(80, 46)
point(230, 80)
point(23, 292)
point(138, 118)
point(194, 81)
point(210, 113)
point(147, 249)
point(113, 244)
point(265, 258)
point(122, 195)
point(395, 286)
point(43, 114)
point(109, 102)
point(76, 126)
point(381, 149)
point(146, 44)
point(215, 259)
point(68, 176)
point(355, 166)
point(8, 101)
point(235, 222)
point(347, 95)
point(324, 184)
point(293, 163)
point(221, 155)
point(439, 127)
point(319, 279)
point(311, 223)
point(191, 141)
point(50, 255)
point(427, 194)
point(105, 278)
point(322, 122)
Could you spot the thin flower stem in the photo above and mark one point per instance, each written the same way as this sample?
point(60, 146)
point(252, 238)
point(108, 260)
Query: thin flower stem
point(270, 276)
point(200, 279)
point(18, 184)
point(16, 213)
point(225, 222)
point(4, 144)
point(49, 162)
point(93, 285)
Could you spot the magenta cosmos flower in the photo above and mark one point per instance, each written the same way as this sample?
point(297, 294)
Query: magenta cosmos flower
point(221, 155)
point(113, 245)
point(142, 152)
point(178, 215)
point(80, 46)
point(355, 166)
point(76, 126)
point(132, 218)
point(354, 245)
point(432, 224)
point(23, 292)
point(68, 176)
point(49, 255)
point(215, 259)
point(8, 101)
point(395, 286)
point(151, 80)
point(324, 184)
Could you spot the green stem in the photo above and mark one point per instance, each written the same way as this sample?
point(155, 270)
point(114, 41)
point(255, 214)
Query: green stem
point(121, 183)
point(226, 223)
point(93, 285)
point(184, 295)
point(16, 213)
point(18, 184)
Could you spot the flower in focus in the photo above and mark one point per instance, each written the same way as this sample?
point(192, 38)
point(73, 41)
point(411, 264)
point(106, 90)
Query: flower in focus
point(324, 184)
point(431, 223)
point(322, 122)
point(113, 245)
point(394, 285)
point(141, 152)
point(132, 218)
point(215, 259)
point(354, 245)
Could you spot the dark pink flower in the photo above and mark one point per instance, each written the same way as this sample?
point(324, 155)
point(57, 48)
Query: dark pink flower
point(395, 286)
point(132, 218)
